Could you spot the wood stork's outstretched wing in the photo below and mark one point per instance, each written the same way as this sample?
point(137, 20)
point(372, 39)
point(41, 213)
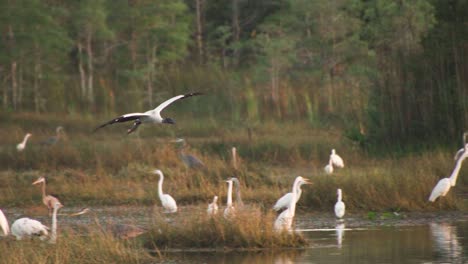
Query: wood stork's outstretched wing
point(164, 104)
point(121, 119)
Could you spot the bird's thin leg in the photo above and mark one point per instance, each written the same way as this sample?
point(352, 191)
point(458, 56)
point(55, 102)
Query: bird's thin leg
point(134, 127)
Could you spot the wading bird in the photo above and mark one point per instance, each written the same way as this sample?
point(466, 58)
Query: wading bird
point(48, 200)
point(54, 139)
point(444, 185)
point(213, 207)
point(337, 160)
point(21, 146)
point(329, 168)
point(285, 200)
point(236, 182)
point(189, 160)
point(230, 210)
point(286, 218)
point(27, 227)
point(151, 116)
point(339, 206)
point(167, 201)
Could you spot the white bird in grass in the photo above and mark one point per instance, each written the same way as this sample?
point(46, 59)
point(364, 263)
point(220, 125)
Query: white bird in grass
point(230, 210)
point(167, 201)
point(48, 200)
point(339, 206)
point(21, 146)
point(285, 219)
point(151, 116)
point(26, 227)
point(285, 200)
point(213, 207)
point(329, 168)
point(336, 160)
point(236, 182)
point(443, 186)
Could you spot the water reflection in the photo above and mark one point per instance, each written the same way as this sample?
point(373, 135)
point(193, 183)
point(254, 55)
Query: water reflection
point(245, 257)
point(446, 242)
point(340, 229)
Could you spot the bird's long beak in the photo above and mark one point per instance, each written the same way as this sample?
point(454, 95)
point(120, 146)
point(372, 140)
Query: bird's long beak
point(36, 182)
point(307, 181)
point(83, 211)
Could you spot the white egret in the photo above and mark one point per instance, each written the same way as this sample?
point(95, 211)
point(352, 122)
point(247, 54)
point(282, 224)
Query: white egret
point(213, 207)
point(167, 201)
point(443, 186)
point(189, 160)
point(230, 210)
point(4, 224)
point(48, 200)
point(285, 200)
point(151, 116)
point(285, 219)
point(337, 160)
point(329, 168)
point(339, 206)
point(236, 182)
point(26, 227)
point(21, 146)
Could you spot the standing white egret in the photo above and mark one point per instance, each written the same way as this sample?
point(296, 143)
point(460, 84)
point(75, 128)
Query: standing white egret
point(337, 160)
point(285, 200)
point(21, 146)
point(213, 207)
point(339, 206)
point(4, 224)
point(285, 219)
point(151, 116)
point(329, 168)
point(27, 227)
point(230, 210)
point(443, 186)
point(48, 200)
point(167, 201)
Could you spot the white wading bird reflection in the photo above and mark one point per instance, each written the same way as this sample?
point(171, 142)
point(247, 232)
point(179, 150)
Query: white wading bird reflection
point(339, 206)
point(213, 207)
point(447, 242)
point(167, 201)
point(340, 230)
point(230, 210)
point(286, 218)
point(444, 185)
point(337, 160)
point(27, 227)
point(48, 200)
point(21, 146)
point(151, 116)
point(285, 200)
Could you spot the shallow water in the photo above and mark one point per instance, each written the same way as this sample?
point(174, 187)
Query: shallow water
point(401, 238)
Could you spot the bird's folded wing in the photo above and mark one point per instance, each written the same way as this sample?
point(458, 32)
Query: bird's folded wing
point(122, 118)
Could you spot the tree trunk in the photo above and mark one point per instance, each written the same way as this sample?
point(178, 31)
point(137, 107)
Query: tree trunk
point(37, 74)
point(20, 87)
point(199, 9)
point(5, 92)
point(235, 30)
point(90, 70)
point(82, 72)
point(14, 84)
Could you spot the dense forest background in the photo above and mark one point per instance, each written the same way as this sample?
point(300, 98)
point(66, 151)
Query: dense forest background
point(382, 70)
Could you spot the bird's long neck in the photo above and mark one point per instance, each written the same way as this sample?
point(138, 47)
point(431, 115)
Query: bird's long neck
point(298, 193)
point(43, 190)
point(292, 203)
point(53, 235)
point(25, 139)
point(339, 197)
point(160, 183)
point(456, 170)
point(229, 195)
point(330, 162)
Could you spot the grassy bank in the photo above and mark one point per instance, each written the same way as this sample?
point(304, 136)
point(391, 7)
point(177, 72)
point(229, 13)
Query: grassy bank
point(110, 167)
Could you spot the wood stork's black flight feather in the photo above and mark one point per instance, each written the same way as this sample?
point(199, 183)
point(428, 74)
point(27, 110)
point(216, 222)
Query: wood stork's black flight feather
point(151, 116)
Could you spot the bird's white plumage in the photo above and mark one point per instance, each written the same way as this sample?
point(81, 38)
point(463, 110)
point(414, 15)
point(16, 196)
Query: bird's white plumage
point(168, 203)
point(285, 200)
point(336, 159)
point(4, 224)
point(339, 206)
point(22, 145)
point(157, 111)
point(459, 153)
point(230, 210)
point(329, 168)
point(213, 207)
point(27, 227)
point(441, 189)
point(285, 220)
